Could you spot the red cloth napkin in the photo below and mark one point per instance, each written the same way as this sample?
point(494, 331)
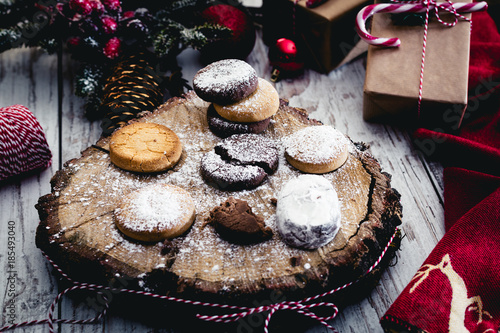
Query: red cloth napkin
point(457, 289)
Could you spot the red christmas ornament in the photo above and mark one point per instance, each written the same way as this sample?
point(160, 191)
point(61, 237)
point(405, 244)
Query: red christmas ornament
point(285, 59)
point(242, 41)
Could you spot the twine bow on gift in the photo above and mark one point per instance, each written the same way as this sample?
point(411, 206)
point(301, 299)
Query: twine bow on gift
point(422, 6)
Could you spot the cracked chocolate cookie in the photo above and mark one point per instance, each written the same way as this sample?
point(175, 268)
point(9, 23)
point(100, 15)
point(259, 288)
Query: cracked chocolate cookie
point(240, 162)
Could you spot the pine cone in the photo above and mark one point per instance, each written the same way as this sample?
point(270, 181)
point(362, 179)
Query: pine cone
point(132, 87)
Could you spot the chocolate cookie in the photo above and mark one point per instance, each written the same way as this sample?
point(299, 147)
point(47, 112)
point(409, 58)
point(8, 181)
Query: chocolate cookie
point(242, 161)
point(228, 176)
point(250, 149)
point(224, 128)
point(236, 223)
point(225, 81)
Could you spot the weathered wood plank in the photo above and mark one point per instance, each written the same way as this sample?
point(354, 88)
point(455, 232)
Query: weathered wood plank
point(28, 77)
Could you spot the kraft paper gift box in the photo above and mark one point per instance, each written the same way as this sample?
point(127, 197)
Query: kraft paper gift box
point(392, 80)
point(325, 33)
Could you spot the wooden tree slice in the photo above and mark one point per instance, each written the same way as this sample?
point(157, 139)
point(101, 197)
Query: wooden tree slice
point(77, 229)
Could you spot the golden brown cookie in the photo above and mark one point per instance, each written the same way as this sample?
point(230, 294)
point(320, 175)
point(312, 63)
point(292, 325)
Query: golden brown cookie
point(316, 149)
point(155, 212)
point(145, 147)
point(261, 104)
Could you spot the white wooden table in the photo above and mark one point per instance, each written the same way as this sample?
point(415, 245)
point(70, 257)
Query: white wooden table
point(44, 83)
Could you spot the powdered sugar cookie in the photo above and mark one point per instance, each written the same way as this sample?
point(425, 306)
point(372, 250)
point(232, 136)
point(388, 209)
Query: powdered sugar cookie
point(155, 212)
point(316, 149)
point(308, 212)
point(260, 105)
point(145, 147)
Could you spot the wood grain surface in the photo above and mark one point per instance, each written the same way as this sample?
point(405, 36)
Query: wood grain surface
point(44, 83)
point(78, 223)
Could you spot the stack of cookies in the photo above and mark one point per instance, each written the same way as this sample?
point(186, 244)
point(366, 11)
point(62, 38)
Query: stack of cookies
point(241, 101)
point(241, 107)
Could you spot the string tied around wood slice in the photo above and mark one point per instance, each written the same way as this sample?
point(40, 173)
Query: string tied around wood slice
point(302, 306)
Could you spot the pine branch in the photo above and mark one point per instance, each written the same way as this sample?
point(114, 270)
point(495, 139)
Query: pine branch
point(89, 80)
point(200, 36)
point(214, 32)
point(175, 37)
point(182, 4)
point(168, 39)
point(89, 83)
point(7, 38)
point(14, 11)
point(29, 33)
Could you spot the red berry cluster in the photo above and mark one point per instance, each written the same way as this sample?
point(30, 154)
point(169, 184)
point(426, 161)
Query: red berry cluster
point(100, 28)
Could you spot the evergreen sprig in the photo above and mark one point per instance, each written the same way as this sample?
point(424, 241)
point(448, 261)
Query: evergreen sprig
point(7, 38)
point(89, 80)
point(168, 28)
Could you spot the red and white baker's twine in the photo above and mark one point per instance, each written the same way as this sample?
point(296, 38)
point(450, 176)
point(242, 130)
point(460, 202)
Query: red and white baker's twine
point(422, 6)
point(23, 146)
point(242, 311)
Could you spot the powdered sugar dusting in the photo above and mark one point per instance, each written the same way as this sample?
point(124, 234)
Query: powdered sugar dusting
point(316, 144)
point(224, 75)
point(154, 208)
point(228, 172)
point(250, 149)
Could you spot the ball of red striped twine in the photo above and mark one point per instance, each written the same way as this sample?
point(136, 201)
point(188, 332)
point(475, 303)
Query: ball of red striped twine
point(23, 146)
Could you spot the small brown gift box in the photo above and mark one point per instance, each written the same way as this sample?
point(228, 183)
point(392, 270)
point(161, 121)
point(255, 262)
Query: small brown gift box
point(325, 34)
point(392, 80)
